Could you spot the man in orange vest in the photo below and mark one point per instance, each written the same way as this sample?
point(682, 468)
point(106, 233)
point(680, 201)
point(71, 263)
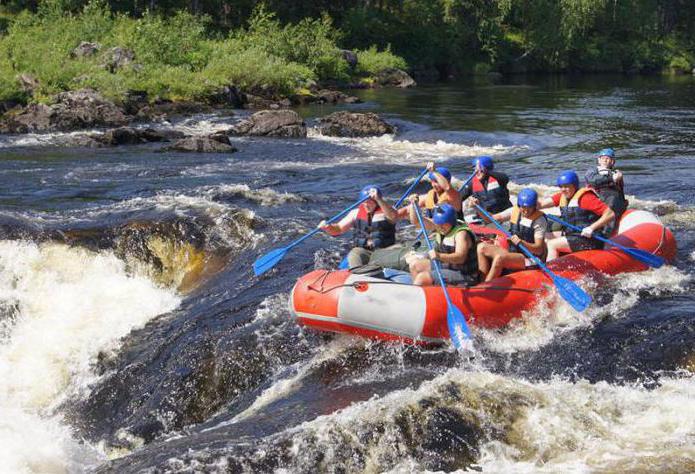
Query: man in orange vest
point(579, 207)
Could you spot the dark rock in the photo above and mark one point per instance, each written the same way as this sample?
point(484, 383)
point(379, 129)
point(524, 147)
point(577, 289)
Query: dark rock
point(152, 135)
point(257, 102)
point(394, 78)
point(350, 57)
point(272, 123)
point(350, 124)
point(326, 96)
point(134, 101)
point(200, 145)
point(71, 111)
point(29, 83)
point(122, 136)
point(85, 141)
point(8, 105)
point(221, 137)
point(85, 49)
point(229, 96)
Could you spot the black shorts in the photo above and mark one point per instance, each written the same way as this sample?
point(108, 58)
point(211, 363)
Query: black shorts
point(577, 243)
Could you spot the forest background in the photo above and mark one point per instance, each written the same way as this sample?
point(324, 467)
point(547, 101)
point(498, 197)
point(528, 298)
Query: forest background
point(188, 49)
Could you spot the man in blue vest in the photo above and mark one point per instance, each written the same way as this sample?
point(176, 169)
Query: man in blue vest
point(373, 224)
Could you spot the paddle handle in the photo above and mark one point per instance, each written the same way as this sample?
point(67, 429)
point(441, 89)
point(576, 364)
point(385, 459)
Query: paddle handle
point(410, 189)
point(579, 229)
point(523, 248)
point(470, 178)
point(329, 221)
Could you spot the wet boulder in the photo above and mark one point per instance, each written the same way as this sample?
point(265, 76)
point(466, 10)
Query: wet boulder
point(272, 123)
point(122, 136)
point(394, 78)
point(69, 111)
point(352, 124)
point(200, 145)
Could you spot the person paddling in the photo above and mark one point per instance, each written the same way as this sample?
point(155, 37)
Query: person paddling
point(373, 224)
point(454, 248)
point(488, 188)
point(528, 226)
point(580, 207)
point(442, 192)
point(608, 182)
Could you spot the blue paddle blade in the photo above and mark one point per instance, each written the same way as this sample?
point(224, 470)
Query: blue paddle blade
point(344, 265)
point(458, 329)
point(268, 261)
point(648, 258)
point(571, 293)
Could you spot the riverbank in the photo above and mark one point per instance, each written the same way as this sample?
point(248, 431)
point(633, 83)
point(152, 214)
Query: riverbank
point(153, 64)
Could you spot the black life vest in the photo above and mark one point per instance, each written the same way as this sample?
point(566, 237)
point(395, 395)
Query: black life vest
point(493, 198)
point(375, 227)
point(522, 227)
point(447, 244)
point(575, 215)
point(613, 196)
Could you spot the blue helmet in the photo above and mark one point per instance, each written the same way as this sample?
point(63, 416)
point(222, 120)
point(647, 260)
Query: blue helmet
point(443, 171)
point(484, 162)
point(365, 191)
point(607, 152)
point(444, 214)
point(568, 177)
point(527, 198)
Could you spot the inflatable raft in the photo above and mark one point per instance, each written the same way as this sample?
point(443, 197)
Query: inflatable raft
point(340, 301)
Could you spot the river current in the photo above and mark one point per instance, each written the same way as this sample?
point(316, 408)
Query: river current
point(135, 338)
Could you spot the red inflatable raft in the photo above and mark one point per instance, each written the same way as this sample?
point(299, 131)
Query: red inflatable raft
point(340, 301)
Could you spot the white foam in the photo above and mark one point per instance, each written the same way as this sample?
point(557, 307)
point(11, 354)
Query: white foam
point(69, 305)
point(387, 148)
point(263, 196)
point(555, 426)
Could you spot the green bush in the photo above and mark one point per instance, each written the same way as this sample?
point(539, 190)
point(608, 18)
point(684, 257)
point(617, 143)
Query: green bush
point(371, 61)
point(311, 42)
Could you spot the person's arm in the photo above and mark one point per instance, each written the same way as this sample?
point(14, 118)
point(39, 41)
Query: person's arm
point(595, 205)
point(442, 181)
point(458, 256)
point(454, 198)
point(341, 226)
point(551, 201)
point(503, 216)
point(606, 218)
point(388, 209)
point(540, 227)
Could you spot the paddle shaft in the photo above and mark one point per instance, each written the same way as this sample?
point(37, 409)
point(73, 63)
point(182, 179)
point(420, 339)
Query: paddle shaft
point(438, 271)
point(329, 221)
point(579, 229)
point(410, 189)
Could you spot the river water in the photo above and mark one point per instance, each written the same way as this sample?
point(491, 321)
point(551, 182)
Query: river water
point(134, 337)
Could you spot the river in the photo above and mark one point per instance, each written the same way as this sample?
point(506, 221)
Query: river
point(135, 338)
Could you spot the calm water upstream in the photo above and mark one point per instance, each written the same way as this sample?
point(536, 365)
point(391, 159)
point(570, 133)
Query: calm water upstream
point(134, 337)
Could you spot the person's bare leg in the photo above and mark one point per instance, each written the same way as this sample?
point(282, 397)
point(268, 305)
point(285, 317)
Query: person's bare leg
point(510, 261)
point(423, 278)
point(483, 261)
point(555, 246)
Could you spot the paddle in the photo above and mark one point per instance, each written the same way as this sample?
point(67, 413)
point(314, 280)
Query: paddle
point(569, 290)
point(644, 257)
point(344, 265)
point(454, 318)
point(269, 260)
